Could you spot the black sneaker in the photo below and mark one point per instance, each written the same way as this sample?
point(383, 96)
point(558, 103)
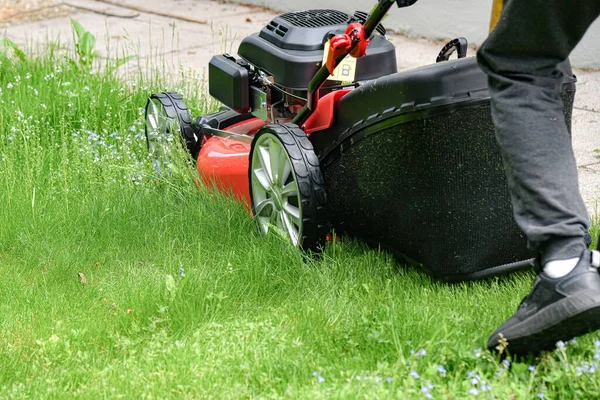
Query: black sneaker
point(555, 309)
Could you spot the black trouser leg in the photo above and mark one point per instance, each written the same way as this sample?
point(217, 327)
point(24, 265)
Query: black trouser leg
point(520, 58)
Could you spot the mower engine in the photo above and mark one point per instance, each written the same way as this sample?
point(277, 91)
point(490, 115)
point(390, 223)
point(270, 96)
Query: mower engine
point(272, 77)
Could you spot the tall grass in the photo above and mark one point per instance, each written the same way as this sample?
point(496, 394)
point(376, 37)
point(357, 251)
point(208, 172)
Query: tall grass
point(181, 298)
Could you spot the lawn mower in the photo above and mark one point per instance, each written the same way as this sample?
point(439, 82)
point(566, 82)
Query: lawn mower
point(319, 132)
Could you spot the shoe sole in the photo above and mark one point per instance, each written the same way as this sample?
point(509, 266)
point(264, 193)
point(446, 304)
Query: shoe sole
point(582, 315)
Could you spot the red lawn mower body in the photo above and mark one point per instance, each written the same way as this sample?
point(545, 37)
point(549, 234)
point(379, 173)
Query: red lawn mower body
point(224, 162)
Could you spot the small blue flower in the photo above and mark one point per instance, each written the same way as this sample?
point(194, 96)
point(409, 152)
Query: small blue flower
point(506, 362)
point(561, 345)
point(421, 353)
point(478, 352)
point(425, 391)
point(315, 373)
point(388, 379)
point(540, 395)
point(93, 136)
point(320, 379)
point(531, 368)
point(579, 371)
point(473, 391)
point(574, 340)
point(441, 370)
point(597, 343)
point(414, 374)
point(474, 381)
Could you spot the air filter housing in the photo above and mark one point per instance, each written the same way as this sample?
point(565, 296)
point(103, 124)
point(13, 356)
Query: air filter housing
point(291, 46)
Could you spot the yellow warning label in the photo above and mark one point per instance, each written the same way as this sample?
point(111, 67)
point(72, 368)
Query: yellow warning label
point(346, 71)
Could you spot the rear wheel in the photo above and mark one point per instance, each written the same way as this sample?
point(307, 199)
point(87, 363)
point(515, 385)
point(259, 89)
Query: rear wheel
point(168, 127)
point(287, 187)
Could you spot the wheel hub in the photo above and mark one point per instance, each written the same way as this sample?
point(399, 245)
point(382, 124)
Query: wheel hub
point(277, 198)
point(274, 189)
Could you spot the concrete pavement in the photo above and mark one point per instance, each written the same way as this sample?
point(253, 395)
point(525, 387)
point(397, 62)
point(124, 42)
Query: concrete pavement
point(182, 35)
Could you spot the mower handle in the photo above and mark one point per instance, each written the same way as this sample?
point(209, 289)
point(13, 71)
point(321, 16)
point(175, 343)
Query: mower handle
point(376, 16)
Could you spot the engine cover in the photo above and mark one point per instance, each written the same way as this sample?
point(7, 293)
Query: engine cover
point(290, 48)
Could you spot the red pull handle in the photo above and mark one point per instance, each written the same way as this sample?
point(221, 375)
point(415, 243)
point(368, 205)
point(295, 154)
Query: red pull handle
point(340, 45)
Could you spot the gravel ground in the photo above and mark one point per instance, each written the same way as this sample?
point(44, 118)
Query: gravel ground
point(14, 12)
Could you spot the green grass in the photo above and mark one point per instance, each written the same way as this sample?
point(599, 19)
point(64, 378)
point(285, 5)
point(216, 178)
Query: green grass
point(184, 299)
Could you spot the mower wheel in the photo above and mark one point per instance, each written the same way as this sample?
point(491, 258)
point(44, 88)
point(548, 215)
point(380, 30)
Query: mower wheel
point(168, 123)
point(287, 187)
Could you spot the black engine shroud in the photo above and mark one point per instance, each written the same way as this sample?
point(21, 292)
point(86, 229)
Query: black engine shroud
point(290, 48)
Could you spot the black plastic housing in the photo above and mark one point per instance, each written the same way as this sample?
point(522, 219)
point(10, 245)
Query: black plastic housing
point(229, 82)
point(290, 48)
point(411, 164)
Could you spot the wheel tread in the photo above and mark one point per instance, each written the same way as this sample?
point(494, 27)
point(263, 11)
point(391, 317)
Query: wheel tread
point(175, 107)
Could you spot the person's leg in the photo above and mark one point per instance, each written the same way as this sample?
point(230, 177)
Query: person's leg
point(521, 57)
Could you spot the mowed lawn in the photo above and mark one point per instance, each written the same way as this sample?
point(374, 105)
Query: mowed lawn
point(117, 282)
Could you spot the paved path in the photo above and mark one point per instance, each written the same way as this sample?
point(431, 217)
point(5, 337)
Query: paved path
point(182, 35)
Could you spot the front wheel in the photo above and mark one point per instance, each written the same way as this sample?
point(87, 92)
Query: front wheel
point(168, 127)
point(287, 187)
